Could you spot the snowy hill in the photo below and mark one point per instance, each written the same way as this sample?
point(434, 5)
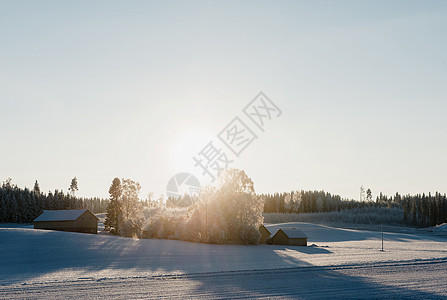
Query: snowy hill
point(30, 258)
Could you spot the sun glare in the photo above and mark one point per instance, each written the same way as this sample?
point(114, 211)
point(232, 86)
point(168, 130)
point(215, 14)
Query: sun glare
point(186, 145)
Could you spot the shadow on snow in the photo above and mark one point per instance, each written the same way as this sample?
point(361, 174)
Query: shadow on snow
point(27, 255)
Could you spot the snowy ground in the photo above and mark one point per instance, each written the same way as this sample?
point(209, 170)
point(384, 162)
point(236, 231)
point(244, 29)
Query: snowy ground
point(342, 264)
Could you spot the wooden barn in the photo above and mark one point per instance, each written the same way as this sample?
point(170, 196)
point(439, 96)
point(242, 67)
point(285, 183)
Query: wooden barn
point(265, 234)
point(289, 236)
point(76, 220)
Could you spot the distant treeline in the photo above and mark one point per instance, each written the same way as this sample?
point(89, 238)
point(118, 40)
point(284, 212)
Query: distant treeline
point(23, 205)
point(305, 202)
point(418, 210)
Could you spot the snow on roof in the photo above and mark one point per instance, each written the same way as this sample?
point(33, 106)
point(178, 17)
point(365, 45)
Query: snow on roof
point(293, 233)
point(60, 215)
point(263, 226)
point(271, 230)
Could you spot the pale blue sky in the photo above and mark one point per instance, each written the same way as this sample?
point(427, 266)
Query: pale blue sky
point(134, 89)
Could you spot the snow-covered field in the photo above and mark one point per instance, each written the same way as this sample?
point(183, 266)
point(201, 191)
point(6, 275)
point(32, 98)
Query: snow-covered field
point(341, 263)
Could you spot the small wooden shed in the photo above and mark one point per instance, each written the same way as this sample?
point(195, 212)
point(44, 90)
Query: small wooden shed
point(76, 220)
point(289, 236)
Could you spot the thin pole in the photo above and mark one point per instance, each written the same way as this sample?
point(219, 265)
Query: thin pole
point(381, 229)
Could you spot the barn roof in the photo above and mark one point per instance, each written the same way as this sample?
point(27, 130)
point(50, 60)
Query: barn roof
point(60, 215)
point(263, 226)
point(273, 231)
point(293, 233)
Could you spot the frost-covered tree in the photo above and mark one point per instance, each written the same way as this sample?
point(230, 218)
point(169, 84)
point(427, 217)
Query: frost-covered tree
point(130, 192)
point(131, 217)
point(292, 201)
point(230, 214)
point(362, 194)
point(288, 203)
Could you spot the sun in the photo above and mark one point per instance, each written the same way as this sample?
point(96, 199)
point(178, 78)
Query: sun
point(186, 145)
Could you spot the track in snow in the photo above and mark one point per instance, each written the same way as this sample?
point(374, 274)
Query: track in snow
point(416, 280)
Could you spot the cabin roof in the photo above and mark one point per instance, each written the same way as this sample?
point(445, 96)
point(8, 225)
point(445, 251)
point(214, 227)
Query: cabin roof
point(293, 233)
point(263, 226)
point(271, 230)
point(60, 215)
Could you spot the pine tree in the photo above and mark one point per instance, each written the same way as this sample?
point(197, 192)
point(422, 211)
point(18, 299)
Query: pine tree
point(36, 189)
point(114, 208)
point(3, 205)
point(73, 186)
point(369, 195)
